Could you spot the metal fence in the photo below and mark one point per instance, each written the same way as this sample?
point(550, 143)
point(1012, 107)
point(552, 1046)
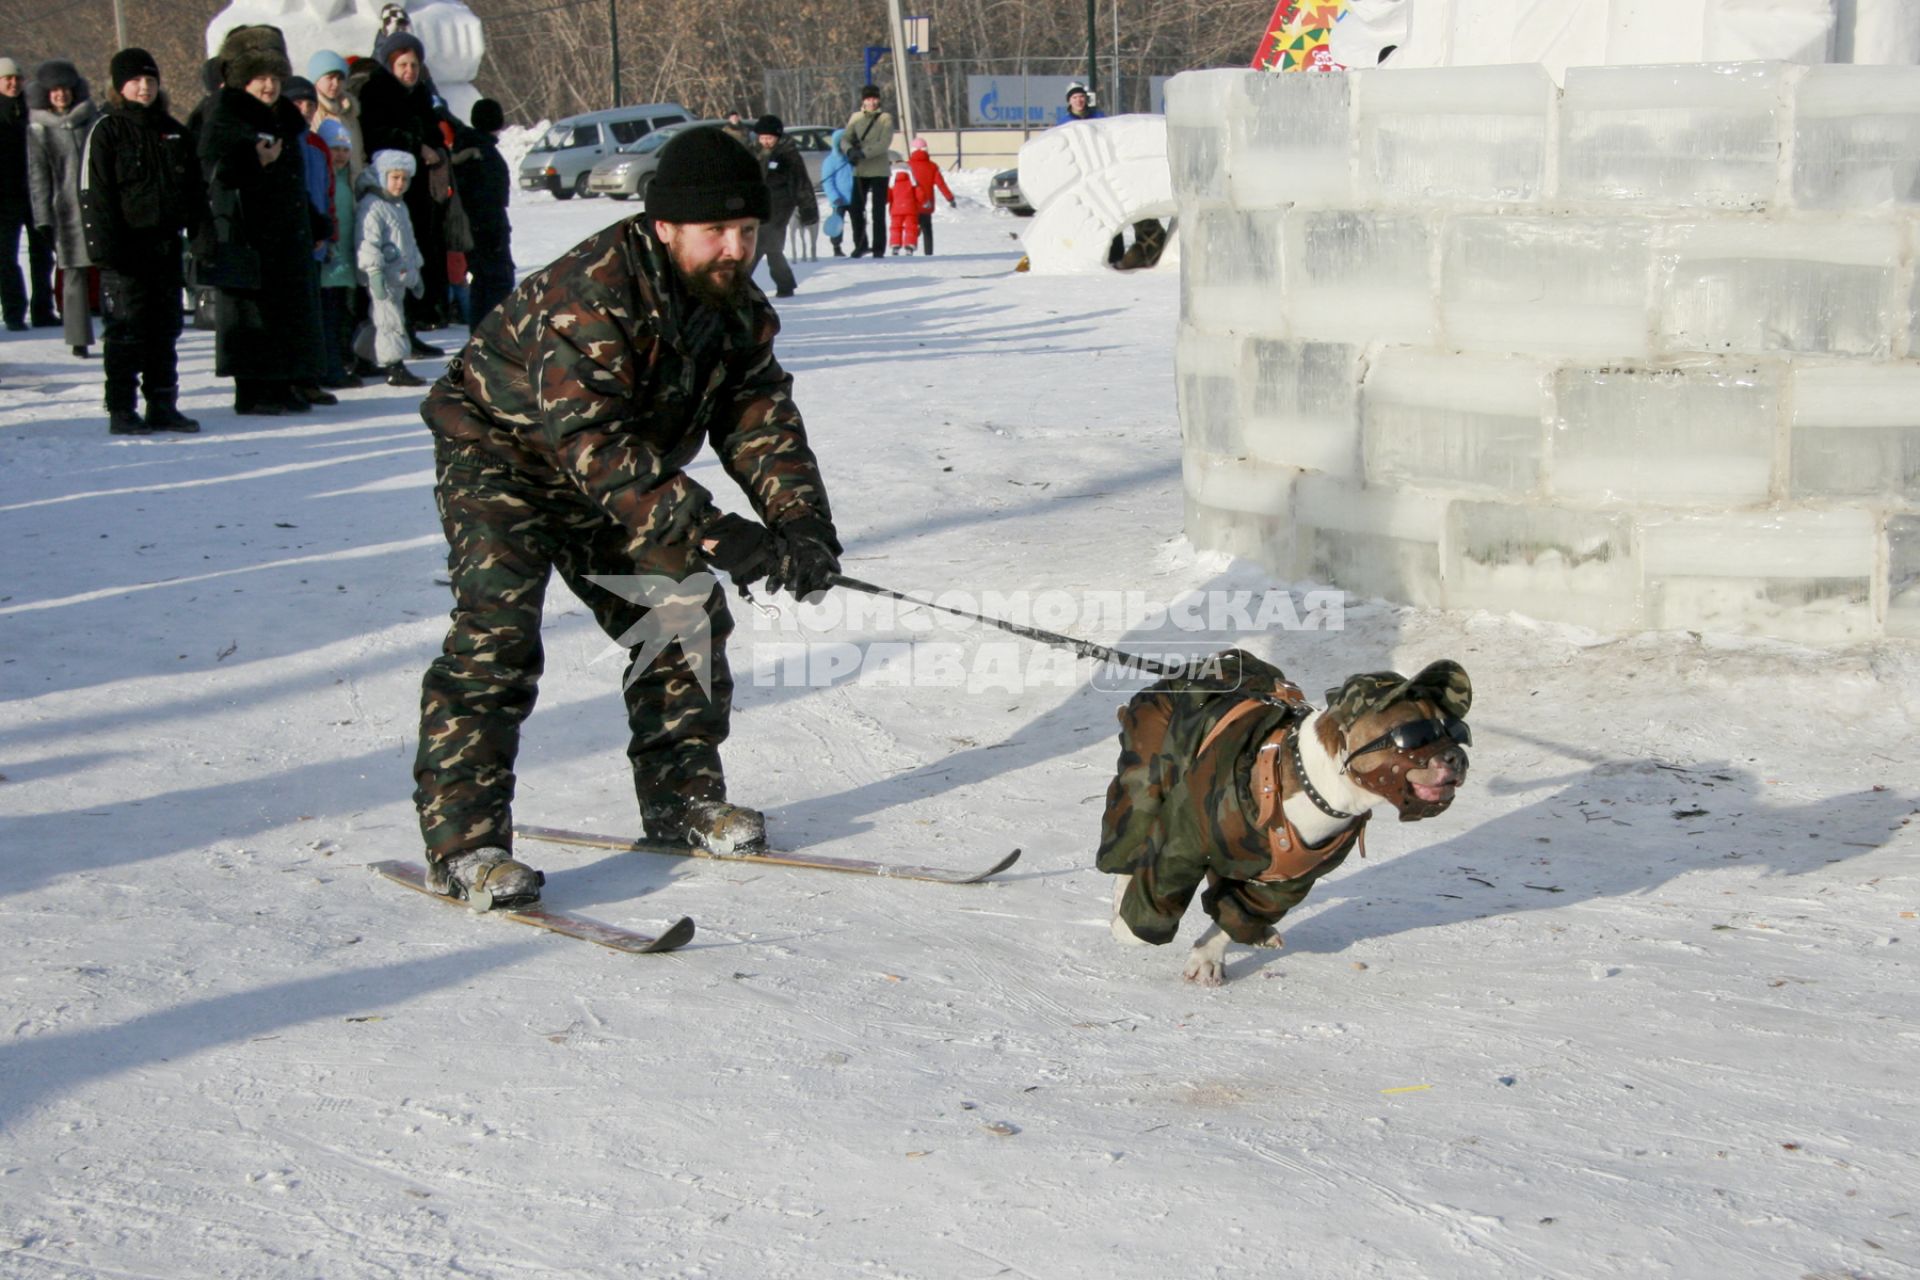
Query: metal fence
point(828, 95)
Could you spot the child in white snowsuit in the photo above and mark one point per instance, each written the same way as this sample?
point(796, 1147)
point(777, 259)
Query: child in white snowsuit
point(389, 261)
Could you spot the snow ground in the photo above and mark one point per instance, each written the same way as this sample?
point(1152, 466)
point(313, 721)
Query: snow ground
point(1640, 1005)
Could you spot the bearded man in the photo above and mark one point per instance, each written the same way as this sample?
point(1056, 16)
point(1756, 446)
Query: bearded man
point(561, 436)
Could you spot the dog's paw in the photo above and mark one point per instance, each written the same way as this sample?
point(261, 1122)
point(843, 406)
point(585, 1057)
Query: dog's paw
point(1206, 969)
point(1271, 942)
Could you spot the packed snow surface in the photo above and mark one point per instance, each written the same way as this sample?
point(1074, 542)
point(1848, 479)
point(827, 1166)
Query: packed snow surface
point(1641, 1004)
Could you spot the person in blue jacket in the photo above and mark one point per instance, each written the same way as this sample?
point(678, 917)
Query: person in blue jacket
point(836, 181)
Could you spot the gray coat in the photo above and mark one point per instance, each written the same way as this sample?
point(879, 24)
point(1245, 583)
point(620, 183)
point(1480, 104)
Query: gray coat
point(56, 144)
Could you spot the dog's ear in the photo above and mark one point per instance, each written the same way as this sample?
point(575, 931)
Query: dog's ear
point(1445, 683)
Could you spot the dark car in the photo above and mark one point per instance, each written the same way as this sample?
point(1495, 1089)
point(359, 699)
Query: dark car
point(1006, 194)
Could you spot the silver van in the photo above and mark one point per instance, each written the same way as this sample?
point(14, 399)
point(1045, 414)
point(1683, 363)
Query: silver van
point(561, 161)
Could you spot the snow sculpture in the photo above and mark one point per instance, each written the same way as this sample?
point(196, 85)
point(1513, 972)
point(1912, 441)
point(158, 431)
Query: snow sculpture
point(1635, 354)
point(1088, 180)
point(448, 29)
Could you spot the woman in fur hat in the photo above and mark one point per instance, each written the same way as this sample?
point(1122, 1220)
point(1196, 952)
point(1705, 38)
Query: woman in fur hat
point(266, 322)
point(60, 114)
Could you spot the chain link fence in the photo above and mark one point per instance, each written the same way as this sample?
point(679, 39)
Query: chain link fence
point(829, 94)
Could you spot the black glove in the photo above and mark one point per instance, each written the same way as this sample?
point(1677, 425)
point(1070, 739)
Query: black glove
point(741, 549)
point(806, 557)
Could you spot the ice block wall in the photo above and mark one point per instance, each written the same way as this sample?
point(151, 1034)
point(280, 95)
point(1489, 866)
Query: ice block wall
point(1642, 353)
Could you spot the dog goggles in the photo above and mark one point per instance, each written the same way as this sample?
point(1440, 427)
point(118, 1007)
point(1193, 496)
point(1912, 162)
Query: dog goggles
point(1415, 734)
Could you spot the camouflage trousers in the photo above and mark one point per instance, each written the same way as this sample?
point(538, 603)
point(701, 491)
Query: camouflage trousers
point(1175, 818)
point(505, 532)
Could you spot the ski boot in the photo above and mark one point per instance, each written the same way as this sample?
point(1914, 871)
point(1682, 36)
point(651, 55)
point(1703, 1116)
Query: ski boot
point(485, 879)
point(714, 825)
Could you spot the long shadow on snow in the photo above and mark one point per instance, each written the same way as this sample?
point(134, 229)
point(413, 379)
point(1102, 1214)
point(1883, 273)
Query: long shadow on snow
point(1655, 822)
point(40, 1068)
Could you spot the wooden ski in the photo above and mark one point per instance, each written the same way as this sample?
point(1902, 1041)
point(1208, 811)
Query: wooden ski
point(564, 922)
point(770, 857)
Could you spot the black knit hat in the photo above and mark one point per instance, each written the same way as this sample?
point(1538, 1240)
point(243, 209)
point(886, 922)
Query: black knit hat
point(769, 125)
point(130, 64)
point(869, 91)
point(298, 89)
point(705, 175)
point(487, 116)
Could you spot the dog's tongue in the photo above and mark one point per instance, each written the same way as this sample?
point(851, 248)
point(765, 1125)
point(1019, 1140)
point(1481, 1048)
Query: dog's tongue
point(1432, 795)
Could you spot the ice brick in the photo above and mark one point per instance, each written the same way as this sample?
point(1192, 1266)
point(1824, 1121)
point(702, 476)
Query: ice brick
point(1231, 272)
point(1433, 419)
point(1372, 542)
point(1547, 562)
point(1209, 394)
point(1300, 404)
point(1903, 576)
point(1855, 433)
point(1665, 435)
point(1197, 134)
point(1360, 276)
point(1699, 134)
point(1553, 285)
point(1233, 484)
point(1454, 133)
point(1747, 287)
point(1856, 137)
point(1290, 141)
point(1797, 575)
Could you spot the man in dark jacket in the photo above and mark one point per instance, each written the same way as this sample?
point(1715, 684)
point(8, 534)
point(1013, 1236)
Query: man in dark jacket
point(561, 435)
point(16, 214)
point(790, 192)
point(480, 175)
point(139, 190)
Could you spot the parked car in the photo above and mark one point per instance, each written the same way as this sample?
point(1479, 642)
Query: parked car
point(1006, 194)
point(561, 160)
point(627, 171)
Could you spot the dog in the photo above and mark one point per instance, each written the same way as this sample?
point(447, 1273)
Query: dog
point(1234, 778)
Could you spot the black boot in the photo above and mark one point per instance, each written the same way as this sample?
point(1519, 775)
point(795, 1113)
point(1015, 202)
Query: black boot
point(256, 398)
point(398, 375)
point(163, 416)
point(313, 394)
point(422, 350)
point(125, 422)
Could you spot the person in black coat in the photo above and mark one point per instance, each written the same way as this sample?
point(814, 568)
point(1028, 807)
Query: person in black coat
point(266, 319)
point(16, 214)
point(139, 190)
point(480, 174)
point(397, 113)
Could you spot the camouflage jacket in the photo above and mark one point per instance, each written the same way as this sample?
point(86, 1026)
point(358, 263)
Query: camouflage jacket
point(603, 372)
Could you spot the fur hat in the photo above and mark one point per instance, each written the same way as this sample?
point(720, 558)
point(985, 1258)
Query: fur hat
point(770, 124)
point(385, 162)
point(57, 73)
point(248, 53)
point(705, 175)
point(1443, 683)
point(131, 64)
point(487, 116)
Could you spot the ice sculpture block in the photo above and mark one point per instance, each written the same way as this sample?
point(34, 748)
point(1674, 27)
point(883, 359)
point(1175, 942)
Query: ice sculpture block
point(1358, 275)
point(1299, 404)
point(1756, 287)
point(1903, 576)
point(1801, 575)
point(1565, 285)
point(1665, 436)
point(1571, 565)
point(1855, 433)
point(1856, 137)
point(1209, 393)
point(1700, 134)
point(1373, 542)
point(1453, 133)
point(1290, 141)
point(1197, 105)
point(1433, 419)
point(1231, 272)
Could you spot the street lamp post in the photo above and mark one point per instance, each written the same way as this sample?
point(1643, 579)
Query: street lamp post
point(613, 47)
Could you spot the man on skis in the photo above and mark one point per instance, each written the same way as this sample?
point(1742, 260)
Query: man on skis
point(560, 435)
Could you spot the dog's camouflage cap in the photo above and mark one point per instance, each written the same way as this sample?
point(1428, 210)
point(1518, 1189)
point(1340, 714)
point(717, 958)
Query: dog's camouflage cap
point(1444, 683)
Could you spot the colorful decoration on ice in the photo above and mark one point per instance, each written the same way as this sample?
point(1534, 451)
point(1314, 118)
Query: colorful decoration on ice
point(1298, 36)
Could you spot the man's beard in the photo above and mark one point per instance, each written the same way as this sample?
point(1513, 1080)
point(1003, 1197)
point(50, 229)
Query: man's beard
point(705, 283)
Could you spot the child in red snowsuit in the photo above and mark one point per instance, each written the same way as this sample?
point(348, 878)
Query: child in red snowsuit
point(903, 211)
point(927, 178)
